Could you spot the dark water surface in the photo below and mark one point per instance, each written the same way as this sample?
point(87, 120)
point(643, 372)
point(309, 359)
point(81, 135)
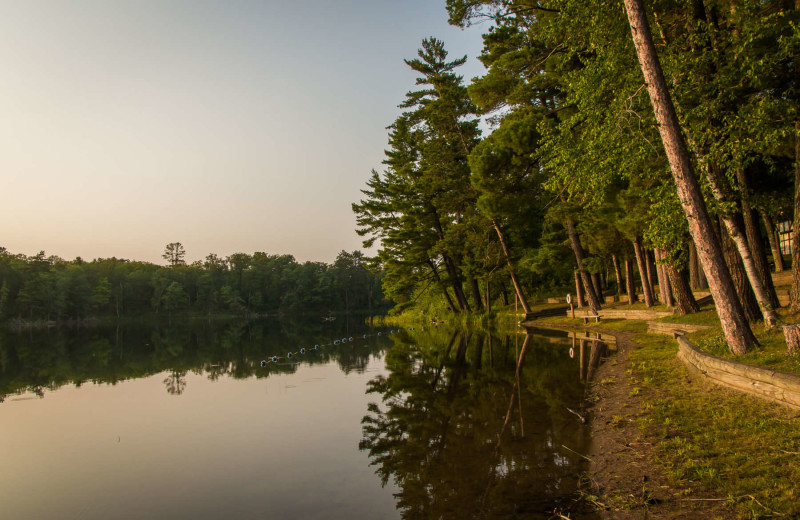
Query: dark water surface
point(184, 422)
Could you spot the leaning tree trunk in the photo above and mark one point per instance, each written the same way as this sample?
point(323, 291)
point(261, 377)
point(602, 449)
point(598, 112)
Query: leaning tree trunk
point(597, 284)
point(629, 285)
point(746, 297)
point(794, 293)
point(641, 261)
point(651, 271)
point(581, 299)
point(591, 295)
point(476, 293)
point(734, 324)
point(684, 298)
point(755, 239)
point(697, 276)
point(774, 242)
point(447, 298)
point(514, 280)
point(664, 283)
point(455, 281)
point(618, 274)
point(735, 225)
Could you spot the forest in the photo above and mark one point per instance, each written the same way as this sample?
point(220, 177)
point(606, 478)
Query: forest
point(44, 288)
point(609, 147)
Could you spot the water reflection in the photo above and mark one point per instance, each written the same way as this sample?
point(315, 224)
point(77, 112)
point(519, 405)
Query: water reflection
point(465, 438)
point(42, 361)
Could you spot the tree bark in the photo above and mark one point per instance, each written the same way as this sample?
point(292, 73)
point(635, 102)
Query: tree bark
point(792, 335)
point(651, 271)
point(579, 296)
point(745, 292)
point(684, 298)
point(664, 284)
point(476, 293)
point(455, 281)
point(755, 239)
point(447, 298)
point(597, 284)
point(735, 225)
point(734, 324)
point(618, 274)
point(591, 295)
point(794, 293)
point(641, 262)
point(514, 280)
point(488, 298)
point(774, 242)
point(629, 284)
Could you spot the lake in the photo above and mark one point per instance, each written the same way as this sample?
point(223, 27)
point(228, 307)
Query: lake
point(146, 421)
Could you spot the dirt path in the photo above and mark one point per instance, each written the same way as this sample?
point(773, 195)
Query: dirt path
point(622, 477)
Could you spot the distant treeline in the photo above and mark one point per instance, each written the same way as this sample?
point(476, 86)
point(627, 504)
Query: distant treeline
point(49, 288)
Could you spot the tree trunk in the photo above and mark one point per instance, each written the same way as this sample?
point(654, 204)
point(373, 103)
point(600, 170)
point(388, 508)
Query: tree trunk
point(756, 240)
point(746, 297)
point(734, 324)
point(476, 293)
point(641, 262)
point(597, 284)
point(651, 271)
point(735, 225)
point(794, 293)
point(774, 242)
point(455, 282)
point(629, 285)
point(618, 274)
point(792, 335)
point(591, 295)
point(514, 279)
point(505, 294)
point(488, 298)
point(664, 284)
point(684, 298)
point(447, 298)
point(579, 296)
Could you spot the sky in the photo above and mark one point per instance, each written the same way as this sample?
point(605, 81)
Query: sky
point(229, 126)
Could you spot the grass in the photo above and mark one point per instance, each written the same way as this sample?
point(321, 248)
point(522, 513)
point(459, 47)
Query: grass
point(746, 449)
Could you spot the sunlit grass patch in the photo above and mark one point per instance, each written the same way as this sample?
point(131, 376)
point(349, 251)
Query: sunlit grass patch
point(746, 449)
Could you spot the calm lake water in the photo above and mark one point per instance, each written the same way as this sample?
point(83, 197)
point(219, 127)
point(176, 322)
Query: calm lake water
point(184, 422)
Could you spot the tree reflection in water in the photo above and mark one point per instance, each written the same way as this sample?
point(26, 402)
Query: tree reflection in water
point(449, 428)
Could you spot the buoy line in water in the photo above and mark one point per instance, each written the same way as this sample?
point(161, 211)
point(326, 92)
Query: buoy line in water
point(335, 342)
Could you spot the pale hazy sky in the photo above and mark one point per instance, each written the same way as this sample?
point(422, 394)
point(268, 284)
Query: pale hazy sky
point(229, 126)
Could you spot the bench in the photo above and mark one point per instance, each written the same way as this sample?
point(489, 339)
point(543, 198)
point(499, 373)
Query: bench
point(589, 317)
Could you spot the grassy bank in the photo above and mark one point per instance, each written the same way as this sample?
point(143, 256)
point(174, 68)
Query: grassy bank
point(746, 449)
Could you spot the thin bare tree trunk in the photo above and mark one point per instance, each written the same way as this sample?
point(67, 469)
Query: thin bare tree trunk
point(512, 272)
point(641, 262)
point(735, 225)
point(684, 298)
point(774, 242)
point(598, 287)
point(447, 298)
point(794, 293)
point(591, 295)
point(734, 324)
point(746, 297)
point(651, 271)
point(629, 284)
point(579, 291)
point(664, 283)
point(755, 239)
point(618, 274)
point(476, 293)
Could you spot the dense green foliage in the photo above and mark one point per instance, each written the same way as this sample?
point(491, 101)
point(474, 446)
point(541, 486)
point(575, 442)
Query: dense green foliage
point(49, 288)
point(574, 144)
